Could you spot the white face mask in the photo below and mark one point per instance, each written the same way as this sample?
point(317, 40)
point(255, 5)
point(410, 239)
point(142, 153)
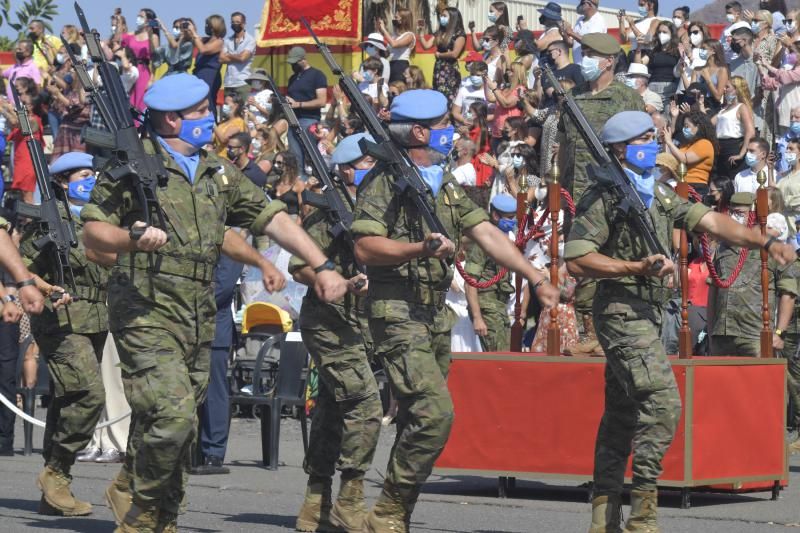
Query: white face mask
point(678, 22)
point(696, 39)
point(664, 38)
point(540, 193)
point(140, 21)
point(730, 17)
point(738, 218)
point(791, 158)
point(631, 82)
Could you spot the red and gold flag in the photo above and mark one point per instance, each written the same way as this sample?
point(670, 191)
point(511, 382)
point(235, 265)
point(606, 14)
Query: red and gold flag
point(334, 21)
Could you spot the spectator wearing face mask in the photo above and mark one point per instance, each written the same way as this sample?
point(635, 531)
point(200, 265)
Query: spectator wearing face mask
point(462, 168)
point(661, 62)
point(498, 17)
point(637, 78)
point(793, 132)
point(237, 152)
point(401, 42)
point(785, 80)
point(259, 101)
point(733, 15)
point(492, 54)
point(756, 161)
point(563, 70)
point(506, 98)
point(640, 31)
point(44, 45)
point(238, 53)
point(776, 9)
point(551, 20)
point(142, 41)
point(207, 66)
point(589, 21)
point(789, 184)
point(680, 18)
point(699, 148)
point(375, 48)
point(23, 66)
point(233, 122)
point(471, 91)
point(179, 52)
point(371, 83)
point(744, 65)
point(449, 40)
point(24, 178)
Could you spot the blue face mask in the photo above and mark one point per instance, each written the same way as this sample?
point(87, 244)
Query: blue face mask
point(476, 81)
point(517, 161)
point(68, 79)
point(590, 68)
point(197, 132)
point(643, 156)
point(794, 127)
point(506, 224)
point(644, 185)
point(75, 210)
point(443, 21)
point(688, 134)
point(432, 176)
point(442, 140)
point(492, 18)
point(751, 159)
point(368, 76)
point(359, 175)
point(643, 11)
point(81, 190)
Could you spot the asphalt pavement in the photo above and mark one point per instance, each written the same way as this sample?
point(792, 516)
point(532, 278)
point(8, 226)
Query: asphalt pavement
point(252, 498)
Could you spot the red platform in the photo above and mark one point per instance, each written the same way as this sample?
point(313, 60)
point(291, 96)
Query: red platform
point(532, 416)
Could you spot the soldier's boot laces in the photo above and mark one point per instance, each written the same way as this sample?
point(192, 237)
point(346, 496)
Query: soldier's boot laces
point(349, 510)
point(315, 514)
point(606, 515)
point(167, 522)
point(644, 512)
point(390, 514)
point(118, 496)
point(590, 346)
point(140, 519)
point(57, 498)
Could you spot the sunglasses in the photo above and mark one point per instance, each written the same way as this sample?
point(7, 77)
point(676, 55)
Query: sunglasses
point(695, 32)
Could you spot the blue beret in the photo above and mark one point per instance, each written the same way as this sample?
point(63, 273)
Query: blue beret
point(418, 105)
point(176, 92)
point(626, 125)
point(348, 150)
point(505, 203)
point(71, 161)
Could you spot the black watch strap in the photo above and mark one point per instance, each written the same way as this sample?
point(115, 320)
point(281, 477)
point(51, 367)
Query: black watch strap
point(27, 283)
point(769, 242)
point(327, 265)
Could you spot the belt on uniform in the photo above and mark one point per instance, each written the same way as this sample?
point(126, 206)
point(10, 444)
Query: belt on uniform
point(90, 294)
point(412, 293)
point(172, 266)
point(648, 293)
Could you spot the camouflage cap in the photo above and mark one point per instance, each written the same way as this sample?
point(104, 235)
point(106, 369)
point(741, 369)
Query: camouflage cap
point(602, 43)
point(743, 198)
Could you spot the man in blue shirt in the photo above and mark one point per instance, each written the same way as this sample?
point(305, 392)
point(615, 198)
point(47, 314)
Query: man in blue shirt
point(307, 93)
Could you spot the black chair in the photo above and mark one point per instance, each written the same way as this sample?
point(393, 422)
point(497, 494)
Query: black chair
point(289, 391)
point(29, 394)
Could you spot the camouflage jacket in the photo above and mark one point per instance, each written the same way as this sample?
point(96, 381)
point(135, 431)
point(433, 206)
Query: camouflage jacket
point(483, 268)
point(600, 227)
point(180, 296)
point(737, 310)
point(88, 314)
point(316, 314)
point(381, 212)
point(573, 155)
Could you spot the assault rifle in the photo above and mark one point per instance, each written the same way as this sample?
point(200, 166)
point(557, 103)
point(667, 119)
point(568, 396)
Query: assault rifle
point(408, 180)
point(129, 160)
point(340, 217)
point(54, 221)
point(610, 172)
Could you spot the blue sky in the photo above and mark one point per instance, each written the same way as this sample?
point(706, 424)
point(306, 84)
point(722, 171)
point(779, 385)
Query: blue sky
point(98, 12)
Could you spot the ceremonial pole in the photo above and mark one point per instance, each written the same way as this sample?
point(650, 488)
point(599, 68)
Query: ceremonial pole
point(554, 201)
point(684, 333)
point(522, 214)
point(762, 211)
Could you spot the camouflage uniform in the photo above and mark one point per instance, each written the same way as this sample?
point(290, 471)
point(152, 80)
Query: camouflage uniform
point(71, 339)
point(642, 404)
point(573, 154)
point(791, 351)
point(493, 301)
point(735, 316)
point(163, 323)
point(347, 418)
point(410, 324)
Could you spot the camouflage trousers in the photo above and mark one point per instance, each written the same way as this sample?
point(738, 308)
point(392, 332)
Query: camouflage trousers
point(498, 325)
point(791, 351)
point(642, 404)
point(415, 354)
point(731, 345)
point(347, 418)
point(78, 394)
point(170, 382)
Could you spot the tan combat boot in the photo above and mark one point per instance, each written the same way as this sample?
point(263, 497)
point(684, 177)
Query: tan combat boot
point(590, 346)
point(118, 495)
point(606, 514)
point(57, 498)
point(315, 513)
point(644, 511)
point(794, 447)
point(167, 522)
point(349, 510)
point(140, 519)
point(389, 514)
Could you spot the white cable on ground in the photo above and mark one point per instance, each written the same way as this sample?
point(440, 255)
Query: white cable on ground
point(36, 422)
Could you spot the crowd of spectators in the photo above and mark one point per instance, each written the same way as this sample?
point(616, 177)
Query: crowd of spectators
point(725, 108)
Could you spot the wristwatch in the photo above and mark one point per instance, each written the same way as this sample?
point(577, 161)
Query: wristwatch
point(8, 298)
point(780, 333)
point(769, 242)
point(27, 283)
point(327, 265)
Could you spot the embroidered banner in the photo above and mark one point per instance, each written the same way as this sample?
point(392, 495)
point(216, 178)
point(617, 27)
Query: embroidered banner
point(334, 21)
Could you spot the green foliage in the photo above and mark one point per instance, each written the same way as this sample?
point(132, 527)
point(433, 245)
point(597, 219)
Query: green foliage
point(6, 44)
point(27, 11)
